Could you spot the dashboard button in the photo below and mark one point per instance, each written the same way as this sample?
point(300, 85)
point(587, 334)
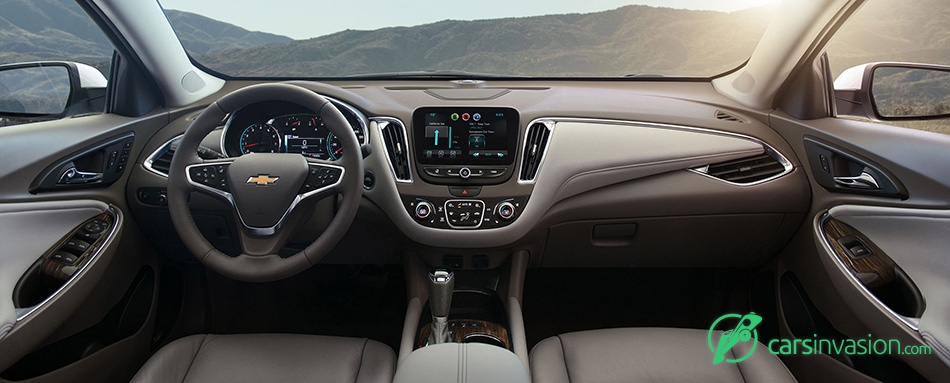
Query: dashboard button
point(465, 191)
point(435, 171)
point(424, 210)
point(505, 210)
point(495, 172)
point(452, 172)
point(465, 172)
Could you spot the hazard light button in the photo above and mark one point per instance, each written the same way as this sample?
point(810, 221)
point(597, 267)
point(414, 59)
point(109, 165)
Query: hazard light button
point(465, 191)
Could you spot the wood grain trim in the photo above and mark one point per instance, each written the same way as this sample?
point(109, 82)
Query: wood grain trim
point(464, 327)
point(61, 271)
point(877, 263)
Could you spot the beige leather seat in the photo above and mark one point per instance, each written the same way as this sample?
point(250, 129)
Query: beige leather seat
point(269, 358)
point(647, 355)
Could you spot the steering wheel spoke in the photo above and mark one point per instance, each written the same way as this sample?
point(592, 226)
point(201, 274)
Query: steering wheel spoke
point(210, 177)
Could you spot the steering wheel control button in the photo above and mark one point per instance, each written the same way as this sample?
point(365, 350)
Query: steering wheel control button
point(424, 210)
point(319, 177)
point(464, 213)
point(465, 172)
point(465, 191)
point(505, 210)
point(210, 175)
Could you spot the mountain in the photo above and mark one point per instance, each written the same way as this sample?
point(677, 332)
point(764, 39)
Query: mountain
point(631, 39)
point(33, 30)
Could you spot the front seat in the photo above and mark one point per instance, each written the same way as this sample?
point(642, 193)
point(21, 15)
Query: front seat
point(648, 355)
point(269, 358)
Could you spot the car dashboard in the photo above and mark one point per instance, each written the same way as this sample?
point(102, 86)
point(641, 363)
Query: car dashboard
point(483, 166)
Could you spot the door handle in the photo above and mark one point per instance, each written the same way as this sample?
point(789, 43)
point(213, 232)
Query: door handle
point(863, 181)
point(73, 176)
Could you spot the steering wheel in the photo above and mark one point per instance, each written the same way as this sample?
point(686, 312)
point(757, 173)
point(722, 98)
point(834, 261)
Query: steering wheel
point(269, 193)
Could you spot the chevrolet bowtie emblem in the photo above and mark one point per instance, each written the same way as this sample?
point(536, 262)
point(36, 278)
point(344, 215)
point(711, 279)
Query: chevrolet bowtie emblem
point(262, 180)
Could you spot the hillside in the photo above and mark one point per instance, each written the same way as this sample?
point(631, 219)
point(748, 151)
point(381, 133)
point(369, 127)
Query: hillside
point(33, 30)
point(631, 39)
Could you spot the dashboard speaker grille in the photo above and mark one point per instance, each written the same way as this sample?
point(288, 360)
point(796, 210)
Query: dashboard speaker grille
point(394, 135)
point(534, 146)
point(726, 116)
point(747, 170)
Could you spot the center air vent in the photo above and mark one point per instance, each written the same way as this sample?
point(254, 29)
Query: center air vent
point(397, 148)
point(747, 170)
point(534, 146)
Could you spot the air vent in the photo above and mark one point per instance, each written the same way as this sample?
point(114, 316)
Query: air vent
point(394, 136)
point(747, 170)
point(161, 159)
point(534, 145)
point(726, 116)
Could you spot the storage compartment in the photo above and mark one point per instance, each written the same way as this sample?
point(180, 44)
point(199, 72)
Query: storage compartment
point(477, 316)
point(123, 321)
point(688, 241)
point(450, 362)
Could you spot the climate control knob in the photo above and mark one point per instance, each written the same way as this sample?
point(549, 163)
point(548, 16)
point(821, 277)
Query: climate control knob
point(505, 210)
point(424, 210)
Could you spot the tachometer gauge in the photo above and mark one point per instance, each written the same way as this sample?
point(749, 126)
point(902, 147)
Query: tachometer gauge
point(334, 147)
point(260, 138)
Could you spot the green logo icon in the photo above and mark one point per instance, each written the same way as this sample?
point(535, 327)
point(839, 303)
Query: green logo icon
point(743, 332)
point(454, 116)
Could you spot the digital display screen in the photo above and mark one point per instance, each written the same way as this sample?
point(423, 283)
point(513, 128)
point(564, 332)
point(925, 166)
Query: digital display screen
point(465, 135)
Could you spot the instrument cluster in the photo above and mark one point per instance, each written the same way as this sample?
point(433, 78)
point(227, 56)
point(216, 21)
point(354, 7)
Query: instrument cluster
point(277, 127)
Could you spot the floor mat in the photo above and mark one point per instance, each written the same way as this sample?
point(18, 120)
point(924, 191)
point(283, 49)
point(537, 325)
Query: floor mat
point(557, 301)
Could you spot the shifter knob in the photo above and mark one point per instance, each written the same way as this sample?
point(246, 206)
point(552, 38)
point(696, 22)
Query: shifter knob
point(441, 285)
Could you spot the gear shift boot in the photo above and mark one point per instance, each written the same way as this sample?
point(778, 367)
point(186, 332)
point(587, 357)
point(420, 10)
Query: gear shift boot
point(441, 287)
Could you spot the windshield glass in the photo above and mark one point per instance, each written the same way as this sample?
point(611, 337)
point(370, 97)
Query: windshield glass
point(599, 38)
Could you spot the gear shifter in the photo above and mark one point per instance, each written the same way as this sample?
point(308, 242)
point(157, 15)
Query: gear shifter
point(441, 286)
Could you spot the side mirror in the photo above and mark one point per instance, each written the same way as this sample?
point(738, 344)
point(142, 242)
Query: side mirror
point(50, 90)
point(894, 91)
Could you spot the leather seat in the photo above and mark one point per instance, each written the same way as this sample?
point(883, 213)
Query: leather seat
point(269, 358)
point(648, 355)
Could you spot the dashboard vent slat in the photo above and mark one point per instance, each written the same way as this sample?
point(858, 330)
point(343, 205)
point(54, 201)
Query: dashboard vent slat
point(747, 170)
point(535, 143)
point(394, 136)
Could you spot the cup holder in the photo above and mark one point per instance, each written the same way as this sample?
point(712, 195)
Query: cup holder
point(483, 338)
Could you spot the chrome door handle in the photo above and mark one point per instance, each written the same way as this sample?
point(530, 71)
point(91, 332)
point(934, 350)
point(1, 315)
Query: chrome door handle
point(73, 176)
point(863, 181)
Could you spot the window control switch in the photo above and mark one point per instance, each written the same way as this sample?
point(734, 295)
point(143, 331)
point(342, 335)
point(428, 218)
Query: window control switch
point(76, 245)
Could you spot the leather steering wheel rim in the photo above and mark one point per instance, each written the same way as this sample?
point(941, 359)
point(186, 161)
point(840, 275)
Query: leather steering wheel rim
point(267, 267)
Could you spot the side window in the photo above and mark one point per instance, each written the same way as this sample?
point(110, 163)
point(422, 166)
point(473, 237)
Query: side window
point(54, 62)
point(898, 31)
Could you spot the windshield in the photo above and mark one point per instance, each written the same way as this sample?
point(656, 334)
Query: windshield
point(599, 38)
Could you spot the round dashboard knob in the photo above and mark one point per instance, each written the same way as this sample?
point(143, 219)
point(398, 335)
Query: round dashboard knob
point(505, 210)
point(424, 210)
point(465, 172)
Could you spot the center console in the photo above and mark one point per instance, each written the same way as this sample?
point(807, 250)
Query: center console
point(468, 150)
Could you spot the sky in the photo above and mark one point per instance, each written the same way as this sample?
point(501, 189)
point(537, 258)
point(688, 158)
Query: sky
point(303, 19)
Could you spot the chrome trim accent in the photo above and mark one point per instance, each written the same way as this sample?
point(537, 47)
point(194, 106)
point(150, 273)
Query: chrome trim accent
point(445, 212)
point(912, 323)
point(359, 116)
point(23, 313)
point(405, 137)
point(158, 153)
point(768, 148)
point(261, 231)
point(548, 123)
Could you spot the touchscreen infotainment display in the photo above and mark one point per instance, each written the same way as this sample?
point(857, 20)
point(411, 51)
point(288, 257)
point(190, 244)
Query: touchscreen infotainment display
point(465, 135)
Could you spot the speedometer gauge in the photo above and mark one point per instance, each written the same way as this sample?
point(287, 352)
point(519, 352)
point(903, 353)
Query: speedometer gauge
point(260, 138)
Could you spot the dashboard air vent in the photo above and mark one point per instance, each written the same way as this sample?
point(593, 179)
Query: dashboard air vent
point(161, 159)
point(746, 170)
point(397, 148)
point(534, 146)
point(726, 116)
